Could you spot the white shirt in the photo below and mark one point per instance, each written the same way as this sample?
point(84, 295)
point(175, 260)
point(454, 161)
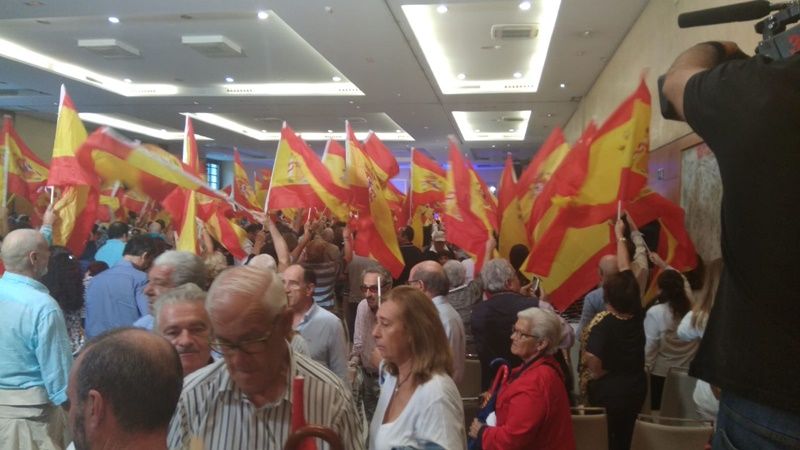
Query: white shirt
point(434, 413)
point(454, 329)
point(662, 348)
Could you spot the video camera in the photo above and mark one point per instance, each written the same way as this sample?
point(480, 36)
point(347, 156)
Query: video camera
point(777, 43)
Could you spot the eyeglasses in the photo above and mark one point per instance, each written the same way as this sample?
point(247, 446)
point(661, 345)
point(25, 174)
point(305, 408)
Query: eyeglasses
point(249, 347)
point(373, 288)
point(516, 332)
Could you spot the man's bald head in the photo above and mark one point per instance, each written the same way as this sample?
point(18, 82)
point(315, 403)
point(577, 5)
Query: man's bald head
point(431, 278)
point(25, 251)
point(608, 266)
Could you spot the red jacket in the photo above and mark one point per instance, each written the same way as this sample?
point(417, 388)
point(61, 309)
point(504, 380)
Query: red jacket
point(532, 411)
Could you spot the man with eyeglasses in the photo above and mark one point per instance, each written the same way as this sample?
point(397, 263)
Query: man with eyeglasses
point(244, 401)
point(321, 329)
point(364, 353)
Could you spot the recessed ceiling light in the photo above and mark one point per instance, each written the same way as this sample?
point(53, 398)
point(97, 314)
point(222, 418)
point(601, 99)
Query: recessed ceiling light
point(461, 76)
point(441, 9)
point(517, 74)
point(525, 6)
point(562, 85)
point(587, 33)
point(549, 114)
point(477, 130)
point(493, 145)
point(510, 130)
point(113, 19)
point(330, 131)
point(127, 80)
point(399, 131)
point(263, 15)
point(263, 131)
point(336, 79)
point(229, 79)
point(351, 101)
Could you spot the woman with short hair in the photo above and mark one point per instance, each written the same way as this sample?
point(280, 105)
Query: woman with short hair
point(532, 409)
point(419, 402)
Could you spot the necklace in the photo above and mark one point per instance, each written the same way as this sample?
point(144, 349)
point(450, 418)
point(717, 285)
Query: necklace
point(400, 384)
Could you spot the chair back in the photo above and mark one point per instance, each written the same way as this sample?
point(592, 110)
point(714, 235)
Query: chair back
point(470, 385)
point(664, 433)
point(590, 427)
point(677, 399)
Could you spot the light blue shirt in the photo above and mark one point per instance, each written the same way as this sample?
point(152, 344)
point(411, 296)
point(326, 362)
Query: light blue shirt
point(324, 333)
point(115, 298)
point(111, 252)
point(145, 322)
point(592, 304)
point(34, 347)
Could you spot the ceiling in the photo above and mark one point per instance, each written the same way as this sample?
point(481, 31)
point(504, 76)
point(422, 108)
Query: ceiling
point(385, 65)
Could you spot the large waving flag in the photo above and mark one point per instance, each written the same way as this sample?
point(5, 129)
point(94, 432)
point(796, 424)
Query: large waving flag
point(383, 160)
point(538, 173)
point(25, 173)
point(376, 234)
point(466, 213)
point(191, 154)
point(262, 179)
point(512, 228)
point(242, 191)
point(334, 158)
point(300, 180)
point(397, 204)
point(428, 181)
point(580, 233)
point(76, 207)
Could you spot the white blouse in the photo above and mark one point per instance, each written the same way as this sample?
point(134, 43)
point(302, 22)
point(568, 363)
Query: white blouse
point(434, 413)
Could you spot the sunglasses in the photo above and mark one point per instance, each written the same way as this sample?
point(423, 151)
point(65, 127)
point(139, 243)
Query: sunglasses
point(373, 288)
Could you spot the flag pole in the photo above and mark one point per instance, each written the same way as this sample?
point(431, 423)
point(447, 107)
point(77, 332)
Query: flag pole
point(6, 157)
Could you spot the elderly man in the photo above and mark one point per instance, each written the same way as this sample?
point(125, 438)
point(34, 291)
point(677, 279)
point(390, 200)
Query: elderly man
point(321, 329)
point(593, 302)
point(170, 270)
point(123, 391)
point(429, 277)
point(181, 318)
point(463, 295)
point(244, 402)
point(36, 355)
point(365, 354)
point(115, 297)
point(493, 319)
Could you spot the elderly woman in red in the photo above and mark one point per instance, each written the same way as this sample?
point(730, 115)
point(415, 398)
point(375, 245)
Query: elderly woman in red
point(532, 409)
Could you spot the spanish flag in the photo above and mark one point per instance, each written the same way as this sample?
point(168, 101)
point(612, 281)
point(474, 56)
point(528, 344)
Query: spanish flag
point(26, 174)
point(243, 193)
point(300, 180)
point(76, 207)
point(262, 186)
point(537, 174)
point(376, 235)
point(466, 209)
point(186, 224)
point(512, 229)
point(191, 155)
point(397, 204)
point(383, 159)
point(334, 158)
point(428, 181)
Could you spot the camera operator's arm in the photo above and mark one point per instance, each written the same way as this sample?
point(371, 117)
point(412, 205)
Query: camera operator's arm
point(697, 59)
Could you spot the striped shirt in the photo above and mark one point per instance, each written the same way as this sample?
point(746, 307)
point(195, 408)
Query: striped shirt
point(324, 291)
point(214, 410)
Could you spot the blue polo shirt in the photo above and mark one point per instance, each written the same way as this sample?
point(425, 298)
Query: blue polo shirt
point(115, 298)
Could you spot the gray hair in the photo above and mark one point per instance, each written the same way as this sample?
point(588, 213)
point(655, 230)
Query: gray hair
point(263, 286)
point(188, 293)
point(18, 245)
point(456, 273)
point(496, 274)
point(186, 267)
point(381, 271)
point(543, 324)
point(263, 261)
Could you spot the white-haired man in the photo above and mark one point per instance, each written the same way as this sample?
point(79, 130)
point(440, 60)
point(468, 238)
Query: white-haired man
point(181, 318)
point(245, 400)
point(36, 356)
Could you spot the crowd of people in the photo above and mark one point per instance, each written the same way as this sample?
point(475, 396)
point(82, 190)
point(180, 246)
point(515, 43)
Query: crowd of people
point(382, 358)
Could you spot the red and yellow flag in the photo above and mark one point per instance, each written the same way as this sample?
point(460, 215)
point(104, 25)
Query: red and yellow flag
point(191, 154)
point(383, 160)
point(76, 207)
point(376, 235)
point(242, 191)
point(537, 174)
point(512, 229)
point(334, 158)
point(428, 181)
point(300, 180)
point(467, 210)
point(26, 174)
point(262, 186)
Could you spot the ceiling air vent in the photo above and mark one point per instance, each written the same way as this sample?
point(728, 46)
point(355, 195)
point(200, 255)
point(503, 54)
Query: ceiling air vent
point(512, 119)
point(213, 46)
point(514, 32)
point(109, 48)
